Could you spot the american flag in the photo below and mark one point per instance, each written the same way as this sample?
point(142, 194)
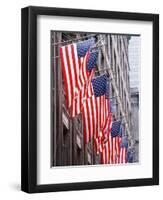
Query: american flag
point(95, 109)
point(74, 58)
point(115, 142)
point(108, 122)
point(101, 140)
point(107, 128)
point(123, 150)
point(111, 150)
point(106, 131)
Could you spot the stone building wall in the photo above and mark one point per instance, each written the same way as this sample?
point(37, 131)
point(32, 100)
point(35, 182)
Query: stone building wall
point(135, 122)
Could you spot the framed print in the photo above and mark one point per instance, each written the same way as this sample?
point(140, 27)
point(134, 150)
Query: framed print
point(90, 99)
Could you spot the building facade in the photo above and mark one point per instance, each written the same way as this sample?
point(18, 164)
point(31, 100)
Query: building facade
point(135, 122)
point(67, 141)
point(134, 60)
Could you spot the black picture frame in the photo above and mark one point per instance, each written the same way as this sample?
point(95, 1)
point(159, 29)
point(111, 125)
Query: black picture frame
point(29, 99)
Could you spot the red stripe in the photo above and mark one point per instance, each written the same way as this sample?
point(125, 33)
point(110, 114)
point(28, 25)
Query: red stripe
point(102, 111)
point(118, 149)
point(112, 152)
point(69, 74)
point(74, 64)
point(93, 115)
point(83, 68)
point(109, 150)
point(90, 118)
point(106, 152)
point(96, 117)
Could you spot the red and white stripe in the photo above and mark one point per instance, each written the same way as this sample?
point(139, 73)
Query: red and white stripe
point(112, 153)
point(104, 154)
point(75, 77)
point(89, 118)
point(107, 127)
point(98, 145)
point(92, 108)
point(107, 151)
point(104, 119)
point(99, 110)
point(123, 154)
point(118, 147)
point(116, 142)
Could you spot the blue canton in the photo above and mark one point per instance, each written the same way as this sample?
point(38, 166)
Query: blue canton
point(115, 128)
point(99, 85)
point(83, 47)
point(92, 60)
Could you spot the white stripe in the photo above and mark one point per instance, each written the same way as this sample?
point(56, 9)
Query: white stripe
point(90, 117)
point(121, 155)
point(73, 108)
point(102, 110)
point(117, 147)
point(110, 147)
point(94, 111)
point(98, 112)
point(81, 72)
point(89, 89)
point(77, 64)
point(71, 68)
point(111, 122)
point(124, 155)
